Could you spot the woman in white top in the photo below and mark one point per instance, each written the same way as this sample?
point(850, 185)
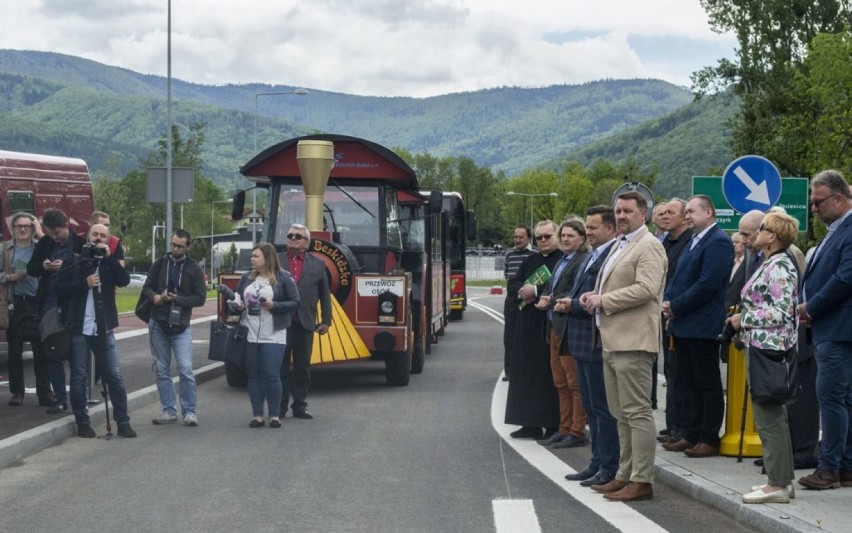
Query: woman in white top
point(269, 297)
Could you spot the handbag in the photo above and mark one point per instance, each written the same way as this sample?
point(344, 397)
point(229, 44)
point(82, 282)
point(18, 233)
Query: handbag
point(143, 308)
point(55, 335)
point(228, 343)
point(772, 376)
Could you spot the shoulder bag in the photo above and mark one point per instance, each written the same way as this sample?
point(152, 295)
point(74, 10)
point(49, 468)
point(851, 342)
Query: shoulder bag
point(773, 378)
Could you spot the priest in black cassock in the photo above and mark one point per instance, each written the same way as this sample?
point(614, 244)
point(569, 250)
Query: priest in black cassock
point(532, 401)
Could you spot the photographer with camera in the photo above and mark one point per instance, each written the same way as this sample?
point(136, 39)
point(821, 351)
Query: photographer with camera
point(175, 285)
point(268, 296)
point(86, 290)
point(51, 252)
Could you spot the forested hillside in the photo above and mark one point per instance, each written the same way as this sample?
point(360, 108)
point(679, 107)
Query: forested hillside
point(111, 116)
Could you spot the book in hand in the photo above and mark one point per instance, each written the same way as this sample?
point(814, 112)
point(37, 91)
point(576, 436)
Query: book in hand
point(541, 276)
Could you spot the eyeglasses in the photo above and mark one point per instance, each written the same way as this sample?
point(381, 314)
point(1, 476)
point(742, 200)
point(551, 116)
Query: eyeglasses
point(764, 228)
point(295, 237)
point(817, 203)
point(23, 226)
point(544, 237)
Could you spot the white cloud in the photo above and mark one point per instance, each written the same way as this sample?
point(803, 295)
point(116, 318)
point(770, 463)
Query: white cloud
point(378, 47)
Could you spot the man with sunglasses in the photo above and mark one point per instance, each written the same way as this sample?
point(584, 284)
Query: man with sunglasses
point(532, 400)
point(175, 285)
point(825, 304)
point(311, 279)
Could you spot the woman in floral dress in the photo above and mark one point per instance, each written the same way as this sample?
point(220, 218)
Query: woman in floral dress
point(768, 321)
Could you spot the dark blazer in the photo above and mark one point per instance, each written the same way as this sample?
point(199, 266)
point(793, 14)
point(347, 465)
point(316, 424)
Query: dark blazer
point(579, 334)
point(736, 283)
point(697, 291)
point(827, 285)
point(73, 290)
point(563, 285)
point(43, 250)
point(313, 287)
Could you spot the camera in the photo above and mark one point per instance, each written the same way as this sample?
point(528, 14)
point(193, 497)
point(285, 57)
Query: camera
point(174, 315)
point(91, 251)
point(254, 309)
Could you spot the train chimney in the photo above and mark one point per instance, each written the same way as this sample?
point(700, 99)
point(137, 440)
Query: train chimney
point(316, 159)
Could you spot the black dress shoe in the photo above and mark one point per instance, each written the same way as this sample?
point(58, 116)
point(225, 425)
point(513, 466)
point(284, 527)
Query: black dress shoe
point(597, 479)
point(126, 431)
point(255, 423)
point(274, 423)
point(582, 476)
point(303, 414)
point(758, 462)
point(527, 432)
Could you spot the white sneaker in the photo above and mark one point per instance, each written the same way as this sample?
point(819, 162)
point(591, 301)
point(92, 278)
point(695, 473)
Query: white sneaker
point(164, 418)
point(190, 420)
point(791, 490)
point(758, 496)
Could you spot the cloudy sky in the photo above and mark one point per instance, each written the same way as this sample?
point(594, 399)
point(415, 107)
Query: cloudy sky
point(378, 47)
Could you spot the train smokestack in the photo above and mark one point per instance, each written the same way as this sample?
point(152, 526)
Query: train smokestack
point(316, 159)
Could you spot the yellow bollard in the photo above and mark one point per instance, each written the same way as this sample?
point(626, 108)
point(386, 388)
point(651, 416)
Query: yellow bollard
point(730, 445)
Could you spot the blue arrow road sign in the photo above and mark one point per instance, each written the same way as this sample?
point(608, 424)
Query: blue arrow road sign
point(751, 182)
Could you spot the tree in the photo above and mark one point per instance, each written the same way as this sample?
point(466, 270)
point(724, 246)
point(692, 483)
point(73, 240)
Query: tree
point(773, 38)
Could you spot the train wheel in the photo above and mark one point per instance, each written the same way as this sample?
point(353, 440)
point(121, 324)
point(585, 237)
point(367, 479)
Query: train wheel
point(235, 376)
point(398, 368)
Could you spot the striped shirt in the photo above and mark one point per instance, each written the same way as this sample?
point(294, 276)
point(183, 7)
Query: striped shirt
point(514, 259)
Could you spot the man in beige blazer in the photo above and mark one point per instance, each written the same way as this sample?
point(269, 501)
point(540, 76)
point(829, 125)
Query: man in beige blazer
point(626, 303)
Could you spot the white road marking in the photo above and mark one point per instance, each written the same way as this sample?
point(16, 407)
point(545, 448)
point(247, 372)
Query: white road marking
point(515, 516)
point(619, 515)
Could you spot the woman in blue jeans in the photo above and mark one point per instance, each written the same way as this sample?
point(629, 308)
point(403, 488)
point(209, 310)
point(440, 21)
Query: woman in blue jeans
point(268, 298)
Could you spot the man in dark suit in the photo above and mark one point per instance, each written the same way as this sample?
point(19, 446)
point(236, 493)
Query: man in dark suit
point(694, 303)
point(572, 415)
point(312, 280)
point(579, 340)
point(826, 297)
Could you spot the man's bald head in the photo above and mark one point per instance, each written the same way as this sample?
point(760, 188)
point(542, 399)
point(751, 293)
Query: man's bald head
point(748, 226)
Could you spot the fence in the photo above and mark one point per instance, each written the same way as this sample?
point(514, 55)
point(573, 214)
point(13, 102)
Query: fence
point(482, 265)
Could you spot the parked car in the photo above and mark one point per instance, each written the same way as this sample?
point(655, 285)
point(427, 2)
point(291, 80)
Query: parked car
point(137, 280)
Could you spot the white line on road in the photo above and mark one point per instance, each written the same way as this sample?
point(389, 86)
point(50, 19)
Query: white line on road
point(619, 515)
point(515, 516)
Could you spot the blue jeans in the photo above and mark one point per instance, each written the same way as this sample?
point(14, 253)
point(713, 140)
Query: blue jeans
point(110, 373)
point(163, 345)
point(603, 429)
point(263, 367)
point(834, 391)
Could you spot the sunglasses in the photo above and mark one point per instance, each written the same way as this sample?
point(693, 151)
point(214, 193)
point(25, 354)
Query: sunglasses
point(817, 203)
point(544, 237)
point(296, 237)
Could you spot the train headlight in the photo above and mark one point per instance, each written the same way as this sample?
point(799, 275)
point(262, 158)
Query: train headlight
point(387, 308)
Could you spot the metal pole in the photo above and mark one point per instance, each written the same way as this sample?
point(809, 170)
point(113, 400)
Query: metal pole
point(169, 140)
point(532, 210)
point(212, 213)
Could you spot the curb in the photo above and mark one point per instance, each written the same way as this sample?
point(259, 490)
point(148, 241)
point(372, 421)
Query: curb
point(17, 447)
point(762, 517)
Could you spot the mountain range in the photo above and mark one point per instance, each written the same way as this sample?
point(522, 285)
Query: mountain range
point(112, 117)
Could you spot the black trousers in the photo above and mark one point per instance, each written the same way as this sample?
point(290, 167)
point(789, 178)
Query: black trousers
point(701, 382)
point(803, 416)
point(15, 361)
point(296, 380)
point(510, 314)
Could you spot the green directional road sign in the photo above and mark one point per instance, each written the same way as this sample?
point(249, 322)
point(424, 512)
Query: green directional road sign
point(794, 198)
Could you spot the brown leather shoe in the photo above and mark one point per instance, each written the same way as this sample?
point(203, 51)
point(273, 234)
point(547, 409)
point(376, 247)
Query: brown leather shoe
point(612, 486)
point(633, 492)
point(702, 449)
point(821, 480)
point(678, 446)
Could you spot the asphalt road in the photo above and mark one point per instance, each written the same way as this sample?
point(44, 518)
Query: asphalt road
point(426, 457)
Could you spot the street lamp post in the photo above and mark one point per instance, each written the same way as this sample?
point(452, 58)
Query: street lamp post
point(532, 200)
point(298, 92)
point(212, 220)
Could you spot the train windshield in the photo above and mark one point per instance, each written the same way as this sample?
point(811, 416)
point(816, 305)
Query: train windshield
point(358, 213)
